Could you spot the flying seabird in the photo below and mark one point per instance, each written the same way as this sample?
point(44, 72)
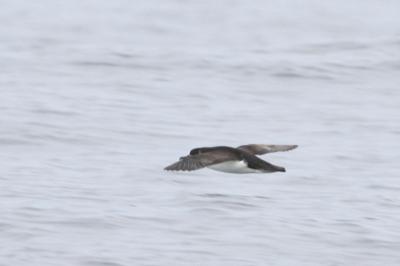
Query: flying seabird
point(240, 160)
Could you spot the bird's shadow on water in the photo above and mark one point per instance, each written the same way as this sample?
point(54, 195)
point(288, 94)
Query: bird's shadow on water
point(226, 190)
point(223, 196)
point(186, 177)
point(233, 201)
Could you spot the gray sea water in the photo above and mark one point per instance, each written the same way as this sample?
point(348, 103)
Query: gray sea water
point(97, 97)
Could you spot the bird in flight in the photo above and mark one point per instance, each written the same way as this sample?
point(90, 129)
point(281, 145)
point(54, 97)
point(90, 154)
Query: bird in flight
point(240, 160)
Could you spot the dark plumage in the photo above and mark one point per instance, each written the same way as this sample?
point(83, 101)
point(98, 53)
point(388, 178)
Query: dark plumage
point(242, 159)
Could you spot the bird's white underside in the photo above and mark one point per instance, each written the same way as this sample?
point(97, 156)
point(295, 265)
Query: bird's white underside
point(235, 167)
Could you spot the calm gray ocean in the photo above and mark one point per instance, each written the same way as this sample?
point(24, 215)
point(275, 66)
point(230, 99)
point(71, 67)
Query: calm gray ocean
point(97, 97)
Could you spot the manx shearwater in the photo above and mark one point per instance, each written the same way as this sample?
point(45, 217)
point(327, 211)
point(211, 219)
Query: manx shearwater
point(240, 160)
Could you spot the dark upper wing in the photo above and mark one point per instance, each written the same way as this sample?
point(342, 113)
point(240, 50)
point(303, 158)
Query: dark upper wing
point(259, 149)
point(188, 163)
point(197, 161)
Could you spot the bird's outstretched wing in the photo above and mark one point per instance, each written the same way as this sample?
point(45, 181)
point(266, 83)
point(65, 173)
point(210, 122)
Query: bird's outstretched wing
point(197, 161)
point(259, 149)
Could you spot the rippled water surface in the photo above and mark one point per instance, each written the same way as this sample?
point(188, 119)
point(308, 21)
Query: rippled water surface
point(98, 96)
